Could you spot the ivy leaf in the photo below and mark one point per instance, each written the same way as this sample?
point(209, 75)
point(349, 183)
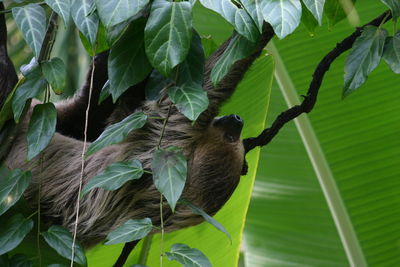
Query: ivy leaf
point(190, 99)
point(238, 48)
point(334, 11)
point(207, 218)
point(20, 260)
point(31, 20)
point(55, 72)
point(391, 52)
point(363, 58)
point(394, 6)
point(62, 8)
point(60, 240)
point(34, 84)
point(155, 83)
point(11, 188)
point(283, 15)
point(13, 232)
point(112, 12)
point(41, 129)
point(316, 7)
point(188, 257)
point(237, 16)
point(168, 34)
point(117, 132)
point(308, 20)
point(115, 176)
point(255, 10)
point(127, 63)
point(169, 168)
point(130, 231)
point(101, 42)
point(86, 23)
point(114, 33)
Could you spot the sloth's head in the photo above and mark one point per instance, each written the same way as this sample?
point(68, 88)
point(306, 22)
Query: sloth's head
point(217, 162)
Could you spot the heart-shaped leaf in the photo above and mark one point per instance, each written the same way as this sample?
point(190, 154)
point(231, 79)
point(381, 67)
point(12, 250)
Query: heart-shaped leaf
point(127, 63)
point(112, 12)
point(12, 186)
point(62, 8)
point(190, 99)
point(169, 168)
point(155, 83)
point(335, 12)
point(316, 7)
point(130, 231)
point(391, 52)
point(61, 240)
point(55, 73)
point(363, 58)
point(168, 34)
point(115, 176)
point(41, 129)
point(188, 257)
point(117, 132)
point(86, 22)
point(31, 20)
point(254, 8)
point(394, 6)
point(13, 232)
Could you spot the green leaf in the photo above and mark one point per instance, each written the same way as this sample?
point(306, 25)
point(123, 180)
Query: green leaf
point(34, 85)
point(115, 176)
point(55, 73)
point(236, 16)
point(316, 7)
point(117, 132)
point(105, 92)
point(127, 63)
point(112, 12)
point(190, 99)
point(62, 8)
point(207, 218)
point(115, 32)
point(394, 6)
point(31, 20)
point(209, 45)
point(283, 15)
point(61, 240)
point(188, 257)
point(308, 20)
point(13, 232)
point(87, 24)
point(41, 129)
point(20, 260)
point(101, 42)
point(238, 48)
point(363, 58)
point(169, 168)
point(130, 231)
point(391, 52)
point(335, 12)
point(168, 34)
point(255, 9)
point(12, 186)
point(155, 83)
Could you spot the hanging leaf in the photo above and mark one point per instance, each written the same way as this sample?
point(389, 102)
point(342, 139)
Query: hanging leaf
point(115, 32)
point(101, 42)
point(394, 6)
point(155, 83)
point(112, 12)
point(238, 48)
point(127, 63)
point(169, 168)
point(115, 176)
point(209, 45)
point(105, 92)
point(20, 260)
point(62, 8)
point(11, 188)
point(255, 10)
point(13, 232)
point(55, 73)
point(60, 240)
point(31, 20)
point(284, 16)
point(207, 218)
point(308, 19)
point(168, 34)
point(316, 7)
point(391, 52)
point(41, 129)
point(34, 85)
point(335, 12)
point(130, 231)
point(363, 58)
point(188, 257)
point(85, 22)
point(117, 132)
point(190, 99)
point(235, 15)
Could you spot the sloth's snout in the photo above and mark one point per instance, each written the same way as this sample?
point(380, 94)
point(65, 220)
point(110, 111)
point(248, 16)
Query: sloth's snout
point(232, 124)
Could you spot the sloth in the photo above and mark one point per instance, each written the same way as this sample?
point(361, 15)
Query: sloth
point(212, 146)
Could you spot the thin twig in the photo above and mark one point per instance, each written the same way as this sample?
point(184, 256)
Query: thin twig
point(309, 100)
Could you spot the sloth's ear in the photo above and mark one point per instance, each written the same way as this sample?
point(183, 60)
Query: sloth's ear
point(245, 168)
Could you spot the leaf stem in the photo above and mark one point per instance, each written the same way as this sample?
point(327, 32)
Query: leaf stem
point(148, 172)
point(162, 231)
point(164, 126)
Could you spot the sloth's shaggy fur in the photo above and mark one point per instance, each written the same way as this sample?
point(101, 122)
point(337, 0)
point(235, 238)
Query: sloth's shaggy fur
point(214, 165)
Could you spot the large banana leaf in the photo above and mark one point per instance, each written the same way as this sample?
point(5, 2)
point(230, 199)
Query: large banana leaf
point(289, 221)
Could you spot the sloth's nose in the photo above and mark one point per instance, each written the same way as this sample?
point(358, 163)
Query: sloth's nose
point(237, 118)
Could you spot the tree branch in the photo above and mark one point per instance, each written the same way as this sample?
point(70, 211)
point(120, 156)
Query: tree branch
point(309, 100)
